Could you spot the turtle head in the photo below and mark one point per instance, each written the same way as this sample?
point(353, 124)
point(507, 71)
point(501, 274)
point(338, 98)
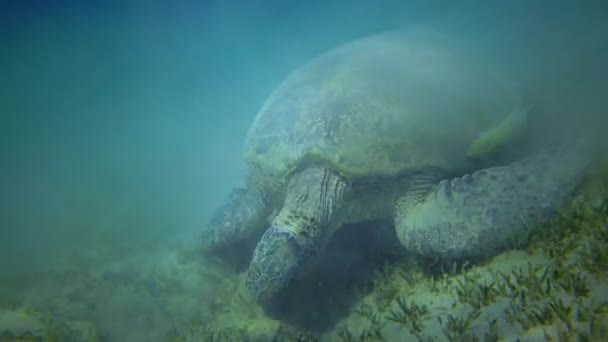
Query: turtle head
point(278, 259)
point(241, 213)
point(298, 234)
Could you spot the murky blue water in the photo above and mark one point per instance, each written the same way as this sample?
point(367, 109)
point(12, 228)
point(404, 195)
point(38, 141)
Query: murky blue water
point(122, 123)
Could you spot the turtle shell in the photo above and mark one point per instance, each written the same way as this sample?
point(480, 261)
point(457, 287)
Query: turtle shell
point(382, 105)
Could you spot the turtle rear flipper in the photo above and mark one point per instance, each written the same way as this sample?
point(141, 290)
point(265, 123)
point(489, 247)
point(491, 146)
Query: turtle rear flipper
point(500, 135)
point(484, 212)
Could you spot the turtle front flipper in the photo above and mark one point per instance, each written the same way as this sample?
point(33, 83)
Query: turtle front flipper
point(298, 233)
point(480, 214)
point(243, 213)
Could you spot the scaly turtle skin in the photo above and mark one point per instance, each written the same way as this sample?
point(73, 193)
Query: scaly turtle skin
point(375, 129)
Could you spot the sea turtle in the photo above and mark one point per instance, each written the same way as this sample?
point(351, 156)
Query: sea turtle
point(401, 125)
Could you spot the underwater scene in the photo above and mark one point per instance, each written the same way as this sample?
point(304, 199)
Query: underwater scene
point(303, 170)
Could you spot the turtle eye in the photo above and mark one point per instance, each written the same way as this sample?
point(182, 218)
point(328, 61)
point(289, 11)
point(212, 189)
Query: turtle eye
point(236, 195)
